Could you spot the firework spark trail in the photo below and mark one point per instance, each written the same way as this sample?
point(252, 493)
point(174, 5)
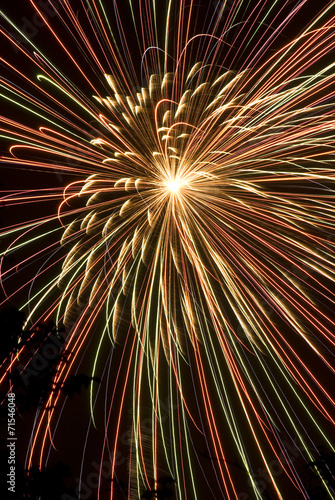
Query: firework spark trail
point(201, 195)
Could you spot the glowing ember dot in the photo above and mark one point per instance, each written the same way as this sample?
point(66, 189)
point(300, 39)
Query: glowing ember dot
point(174, 186)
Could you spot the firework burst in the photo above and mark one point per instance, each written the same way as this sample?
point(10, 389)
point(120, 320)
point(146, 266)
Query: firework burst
point(195, 238)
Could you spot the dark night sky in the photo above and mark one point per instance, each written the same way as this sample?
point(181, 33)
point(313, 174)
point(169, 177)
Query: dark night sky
point(76, 416)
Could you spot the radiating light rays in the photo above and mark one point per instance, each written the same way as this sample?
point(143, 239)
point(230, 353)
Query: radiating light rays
point(196, 236)
point(174, 185)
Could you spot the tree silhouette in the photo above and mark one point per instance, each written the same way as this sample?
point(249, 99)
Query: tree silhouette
point(74, 384)
point(31, 374)
point(11, 322)
point(163, 492)
point(48, 483)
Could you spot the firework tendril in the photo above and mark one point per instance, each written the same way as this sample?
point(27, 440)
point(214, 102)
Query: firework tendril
point(193, 246)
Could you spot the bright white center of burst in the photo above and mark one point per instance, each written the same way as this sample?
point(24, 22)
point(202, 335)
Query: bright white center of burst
point(174, 186)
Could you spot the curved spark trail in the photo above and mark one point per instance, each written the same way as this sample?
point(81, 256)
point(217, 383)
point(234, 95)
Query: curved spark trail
point(192, 251)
